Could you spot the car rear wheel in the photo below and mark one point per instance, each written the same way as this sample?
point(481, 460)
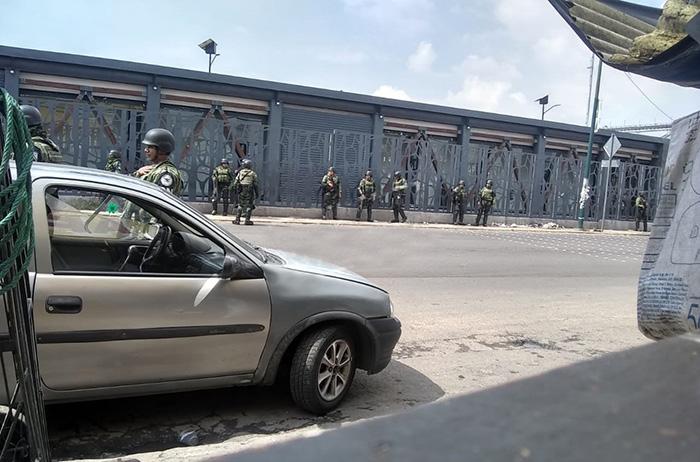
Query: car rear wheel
point(322, 370)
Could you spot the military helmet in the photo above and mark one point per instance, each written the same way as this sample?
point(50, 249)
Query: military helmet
point(489, 182)
point(161, 138)
point(397, 173)
point(331, 169)
point(31, 115)
point(224, 161)
point(461, 182)
point(247, 163)
point(115, 154)
point(368, 173)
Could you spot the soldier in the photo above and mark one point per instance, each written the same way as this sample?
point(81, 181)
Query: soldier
point(486, 199)
point(221, 178)
point(366, 195)
point(330, 184)
point(159, 143)
point(398, 196)
point(45, 150)
point(246, 185)
point(640, 205)
point(458, 196)
point(114, 161)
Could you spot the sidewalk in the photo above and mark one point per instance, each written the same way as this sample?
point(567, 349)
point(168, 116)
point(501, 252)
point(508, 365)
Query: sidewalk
point(495, 227)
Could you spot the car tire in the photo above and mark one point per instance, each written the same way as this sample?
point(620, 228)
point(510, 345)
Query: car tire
point(322, 370)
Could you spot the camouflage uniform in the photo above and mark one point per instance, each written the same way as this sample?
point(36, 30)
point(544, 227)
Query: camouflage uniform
point(45, 150)
point(330, 184)
point(640, 205)
point(221, 178)
point(166, 175)
point(398, 196)
point(114, 163)
point(246, 185)
point(366, 193)
point(458, 197)
point(486, 199)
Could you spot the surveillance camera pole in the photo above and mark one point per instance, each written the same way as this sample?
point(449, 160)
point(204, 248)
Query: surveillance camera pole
point(585, 188)
point(211, 60)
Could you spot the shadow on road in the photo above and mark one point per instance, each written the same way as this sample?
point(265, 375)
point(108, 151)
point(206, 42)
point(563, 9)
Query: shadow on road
point(113, 428)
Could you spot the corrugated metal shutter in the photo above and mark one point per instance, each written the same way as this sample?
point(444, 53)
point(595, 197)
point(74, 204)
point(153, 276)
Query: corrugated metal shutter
point(325, 121)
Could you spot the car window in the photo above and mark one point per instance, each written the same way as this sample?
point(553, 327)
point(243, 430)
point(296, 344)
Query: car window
point(98, 231)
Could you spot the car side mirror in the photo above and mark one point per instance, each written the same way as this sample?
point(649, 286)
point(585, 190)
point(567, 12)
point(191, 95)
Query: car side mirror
point(231, 267)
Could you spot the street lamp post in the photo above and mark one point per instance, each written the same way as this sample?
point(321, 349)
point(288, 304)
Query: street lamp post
point(209, 47)
point(544, 101)
point(585, 188)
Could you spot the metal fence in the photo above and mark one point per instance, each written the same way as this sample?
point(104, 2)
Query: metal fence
point(525, 186)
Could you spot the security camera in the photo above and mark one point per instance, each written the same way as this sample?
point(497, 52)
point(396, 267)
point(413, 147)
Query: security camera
point(209, 46)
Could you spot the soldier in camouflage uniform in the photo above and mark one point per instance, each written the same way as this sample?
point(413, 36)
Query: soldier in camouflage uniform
point(221, 178)
point(159, 143)
point(114, 161)
point(398, 197)
point(366, 194)
point(45, 150)
point(486, 199)
point(330, 185)
point(246, 184)
point(458, 196)
point(640, 205)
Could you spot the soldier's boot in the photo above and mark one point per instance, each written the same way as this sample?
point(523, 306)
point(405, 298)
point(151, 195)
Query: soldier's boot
point(369, 214)
point(403, 216)
point(335, 212)
point(358, 215)
point(225, 212)
point(323, 215)
point(454, 218)
point(248, 214)
point(396, 216)
point(237, 221)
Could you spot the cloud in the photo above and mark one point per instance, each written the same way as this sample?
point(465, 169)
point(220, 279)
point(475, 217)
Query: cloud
point(422, 59)
point(478, 94)
point(387, 91)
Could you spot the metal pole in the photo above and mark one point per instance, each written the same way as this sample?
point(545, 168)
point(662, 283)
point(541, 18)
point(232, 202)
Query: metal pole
point(587, 167)
point(605, 200)
point(210, 61)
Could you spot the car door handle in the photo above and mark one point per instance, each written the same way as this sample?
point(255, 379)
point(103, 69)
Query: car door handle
point(64, 304)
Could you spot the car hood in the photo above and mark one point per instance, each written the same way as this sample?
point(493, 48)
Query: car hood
point(297, 262)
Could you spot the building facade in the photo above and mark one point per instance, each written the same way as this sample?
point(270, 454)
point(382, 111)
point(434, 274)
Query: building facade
point(293, 133)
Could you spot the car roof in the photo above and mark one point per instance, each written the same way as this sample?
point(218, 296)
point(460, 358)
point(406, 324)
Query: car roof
point(71, 172)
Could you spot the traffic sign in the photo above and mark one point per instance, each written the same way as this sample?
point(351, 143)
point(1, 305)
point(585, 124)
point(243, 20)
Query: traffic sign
point(612, 145)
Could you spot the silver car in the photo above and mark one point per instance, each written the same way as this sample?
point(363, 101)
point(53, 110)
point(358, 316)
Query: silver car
point(137, 293)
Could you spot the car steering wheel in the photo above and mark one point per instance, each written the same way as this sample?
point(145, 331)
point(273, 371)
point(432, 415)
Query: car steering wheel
point(157, 246)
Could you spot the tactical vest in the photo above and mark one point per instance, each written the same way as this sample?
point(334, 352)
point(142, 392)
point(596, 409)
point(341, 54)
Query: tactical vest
point(367, 187)
point(222, 174)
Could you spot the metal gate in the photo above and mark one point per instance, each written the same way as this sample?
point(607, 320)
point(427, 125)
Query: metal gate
point(87, 130)
point(203, 138)
point(430, 166)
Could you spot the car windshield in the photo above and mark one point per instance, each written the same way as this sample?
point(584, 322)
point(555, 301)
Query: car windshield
point(251, 248)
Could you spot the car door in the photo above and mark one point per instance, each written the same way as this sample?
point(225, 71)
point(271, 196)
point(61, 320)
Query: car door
point(102, 321)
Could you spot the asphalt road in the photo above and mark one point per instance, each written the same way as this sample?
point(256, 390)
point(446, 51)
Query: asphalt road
point(479, 307)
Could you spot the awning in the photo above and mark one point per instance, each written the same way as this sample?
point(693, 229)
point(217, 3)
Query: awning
point(639, 39)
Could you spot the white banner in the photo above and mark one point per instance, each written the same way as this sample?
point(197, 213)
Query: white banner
point(668, 300)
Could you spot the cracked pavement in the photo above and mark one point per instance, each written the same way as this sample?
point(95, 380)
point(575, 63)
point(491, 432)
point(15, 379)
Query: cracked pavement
point(479, 307)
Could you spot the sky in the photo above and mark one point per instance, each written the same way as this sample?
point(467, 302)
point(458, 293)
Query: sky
point(490, 55)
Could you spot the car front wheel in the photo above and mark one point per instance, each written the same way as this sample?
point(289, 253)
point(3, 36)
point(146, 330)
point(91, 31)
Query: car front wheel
point(322, 370)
